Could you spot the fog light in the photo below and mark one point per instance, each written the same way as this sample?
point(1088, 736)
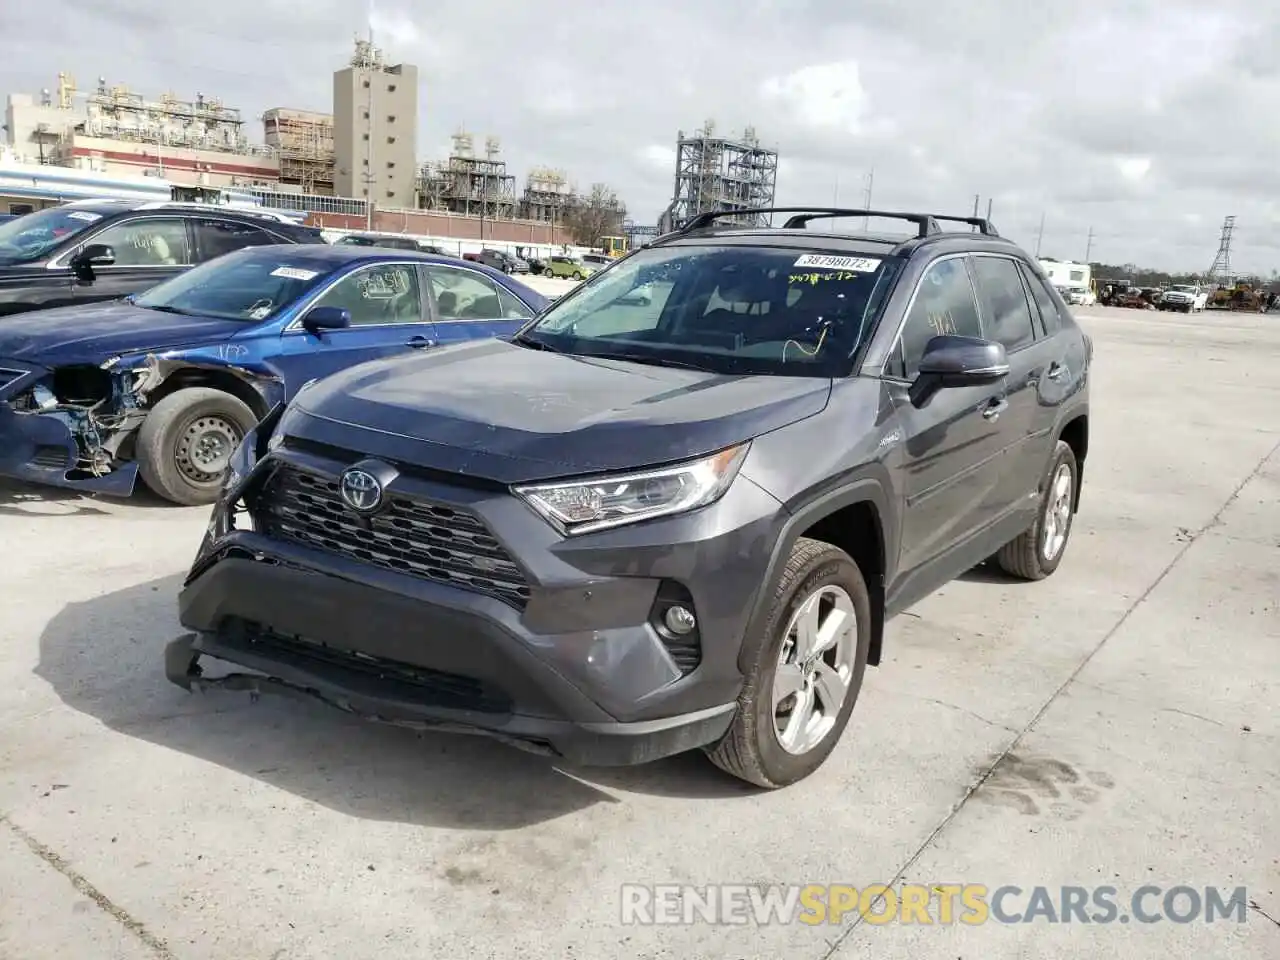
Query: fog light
point(680, 620)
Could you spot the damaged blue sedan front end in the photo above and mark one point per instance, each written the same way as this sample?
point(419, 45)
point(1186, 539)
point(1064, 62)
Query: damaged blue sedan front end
point(41, 439)
point(212, 350)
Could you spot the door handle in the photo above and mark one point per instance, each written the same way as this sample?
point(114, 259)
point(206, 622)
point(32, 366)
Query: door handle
point(1056, 371)
point(996, 407)
point(417, 343)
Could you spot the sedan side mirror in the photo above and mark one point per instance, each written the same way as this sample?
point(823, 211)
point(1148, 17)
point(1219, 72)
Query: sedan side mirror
point(94, 255)
point(326, 318)
point(952, 361)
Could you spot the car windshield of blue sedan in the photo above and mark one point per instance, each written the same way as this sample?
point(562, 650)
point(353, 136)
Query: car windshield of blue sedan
point(729, 309)
point(32, 235)
point(250, 285)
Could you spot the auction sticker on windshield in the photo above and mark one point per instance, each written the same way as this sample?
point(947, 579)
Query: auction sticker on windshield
point(294, 273)
point(823, 262)
point(84, 215)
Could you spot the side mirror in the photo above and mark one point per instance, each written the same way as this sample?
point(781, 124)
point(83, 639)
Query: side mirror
point(326, 318)
point(951, 361)
point(94, 255)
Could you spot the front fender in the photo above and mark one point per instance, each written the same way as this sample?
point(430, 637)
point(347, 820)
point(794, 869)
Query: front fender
point(862, 488)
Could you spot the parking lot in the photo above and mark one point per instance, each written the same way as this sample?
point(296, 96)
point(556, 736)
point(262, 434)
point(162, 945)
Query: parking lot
point(1116, 724)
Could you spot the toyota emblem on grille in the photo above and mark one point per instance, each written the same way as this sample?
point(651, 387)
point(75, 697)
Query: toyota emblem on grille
point(360, 490)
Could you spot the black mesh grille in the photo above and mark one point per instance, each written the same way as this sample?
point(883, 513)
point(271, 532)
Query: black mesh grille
point(444, 544)
point(417, 684)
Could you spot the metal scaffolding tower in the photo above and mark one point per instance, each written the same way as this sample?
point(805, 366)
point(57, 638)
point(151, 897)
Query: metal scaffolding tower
point(721, 173)
point(1221, 271)
point(468, 184)
point(546, 195)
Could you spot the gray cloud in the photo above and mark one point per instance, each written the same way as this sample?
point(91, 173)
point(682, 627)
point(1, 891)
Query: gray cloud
point(1147, 122)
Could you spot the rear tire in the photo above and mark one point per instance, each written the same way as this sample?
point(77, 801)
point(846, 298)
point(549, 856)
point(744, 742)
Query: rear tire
point(798, 697)
point(1037, 552)
point(187, 440)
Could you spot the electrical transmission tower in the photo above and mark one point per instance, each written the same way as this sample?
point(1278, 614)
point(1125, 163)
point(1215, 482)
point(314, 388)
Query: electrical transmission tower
point(1221, 269)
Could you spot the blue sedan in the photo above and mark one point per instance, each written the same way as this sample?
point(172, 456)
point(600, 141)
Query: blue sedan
point(166, 383)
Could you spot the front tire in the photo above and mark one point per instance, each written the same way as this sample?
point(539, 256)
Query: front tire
point(186, 443)
point(1037, 552)
point(807, 673)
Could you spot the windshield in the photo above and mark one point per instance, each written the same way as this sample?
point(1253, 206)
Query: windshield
point(1182, 288)
point(737, 310)
point(246, 285)
point(31, 236)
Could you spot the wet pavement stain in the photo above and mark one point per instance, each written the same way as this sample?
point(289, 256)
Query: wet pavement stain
point(1033, 786)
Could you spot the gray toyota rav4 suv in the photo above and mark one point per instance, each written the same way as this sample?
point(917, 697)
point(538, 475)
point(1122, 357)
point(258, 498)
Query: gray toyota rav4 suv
point(674, 511)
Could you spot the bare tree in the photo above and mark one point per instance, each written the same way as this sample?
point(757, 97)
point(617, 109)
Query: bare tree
point(598, 213)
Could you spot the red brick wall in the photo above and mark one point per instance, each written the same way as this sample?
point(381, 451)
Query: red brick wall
point(455, 227)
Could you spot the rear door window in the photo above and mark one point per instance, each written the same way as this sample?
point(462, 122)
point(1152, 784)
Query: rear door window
point(1006, 314)
point(1050, 319)
point(465, 295)
point(216, 237)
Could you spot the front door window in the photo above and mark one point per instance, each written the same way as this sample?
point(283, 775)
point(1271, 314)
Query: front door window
point(154, 242)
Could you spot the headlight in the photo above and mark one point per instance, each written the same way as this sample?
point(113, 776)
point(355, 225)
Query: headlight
point(597, 503)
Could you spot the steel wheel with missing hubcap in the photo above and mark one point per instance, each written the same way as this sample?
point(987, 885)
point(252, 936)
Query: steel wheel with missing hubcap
point(1057, 513)
point(815, 668)
point(205, 448)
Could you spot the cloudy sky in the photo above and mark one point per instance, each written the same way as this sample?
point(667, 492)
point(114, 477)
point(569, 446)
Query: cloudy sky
point(1147, 122)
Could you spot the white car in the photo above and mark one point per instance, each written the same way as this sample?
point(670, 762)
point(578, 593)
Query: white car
point(1079, 296)
point(1185, 298)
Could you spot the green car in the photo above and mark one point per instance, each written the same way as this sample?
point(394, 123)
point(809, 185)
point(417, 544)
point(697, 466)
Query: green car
point(568, 268)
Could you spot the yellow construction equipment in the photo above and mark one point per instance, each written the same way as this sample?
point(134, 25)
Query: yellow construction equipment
point(613, 246)
point(1241, 297)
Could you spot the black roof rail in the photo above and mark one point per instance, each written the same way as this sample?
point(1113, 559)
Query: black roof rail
point(985, 226)
point(926, 223)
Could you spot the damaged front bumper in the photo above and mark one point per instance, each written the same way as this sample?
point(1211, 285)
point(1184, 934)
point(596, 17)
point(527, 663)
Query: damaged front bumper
point(40, 448)
point(47, 443)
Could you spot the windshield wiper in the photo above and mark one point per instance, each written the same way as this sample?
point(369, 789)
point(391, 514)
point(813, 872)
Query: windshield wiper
point(648, 359)
point(527, 341)
point(165, 308)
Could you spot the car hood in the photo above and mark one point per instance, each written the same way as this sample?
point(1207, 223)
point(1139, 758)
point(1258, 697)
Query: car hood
point(501, 412)
point(97, 332)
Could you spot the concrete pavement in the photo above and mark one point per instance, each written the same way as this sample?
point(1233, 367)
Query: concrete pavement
point(1116, 724)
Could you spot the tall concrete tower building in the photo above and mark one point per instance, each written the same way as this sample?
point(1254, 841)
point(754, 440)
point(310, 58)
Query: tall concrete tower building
point(375, 129)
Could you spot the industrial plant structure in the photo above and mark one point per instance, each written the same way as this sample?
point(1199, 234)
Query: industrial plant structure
point(354, 168)
point(303, 142)
point(114, 130)
point(467, 184)
point(375, 128)
point(546, 195)
point(721, 173)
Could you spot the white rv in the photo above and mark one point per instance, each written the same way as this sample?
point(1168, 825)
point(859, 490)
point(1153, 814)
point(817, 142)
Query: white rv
point(1073, 280)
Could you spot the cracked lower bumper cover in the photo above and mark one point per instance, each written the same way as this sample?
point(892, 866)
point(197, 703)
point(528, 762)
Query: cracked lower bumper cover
point(403, 661)
point(40, 448)
point(586, 744)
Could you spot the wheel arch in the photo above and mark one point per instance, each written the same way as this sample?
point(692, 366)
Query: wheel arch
point(857, 519)
point(1075, 434)
point(226, 379)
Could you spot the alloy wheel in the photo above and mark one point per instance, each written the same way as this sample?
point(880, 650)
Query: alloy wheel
point(815, 668)
point(1057, 513)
